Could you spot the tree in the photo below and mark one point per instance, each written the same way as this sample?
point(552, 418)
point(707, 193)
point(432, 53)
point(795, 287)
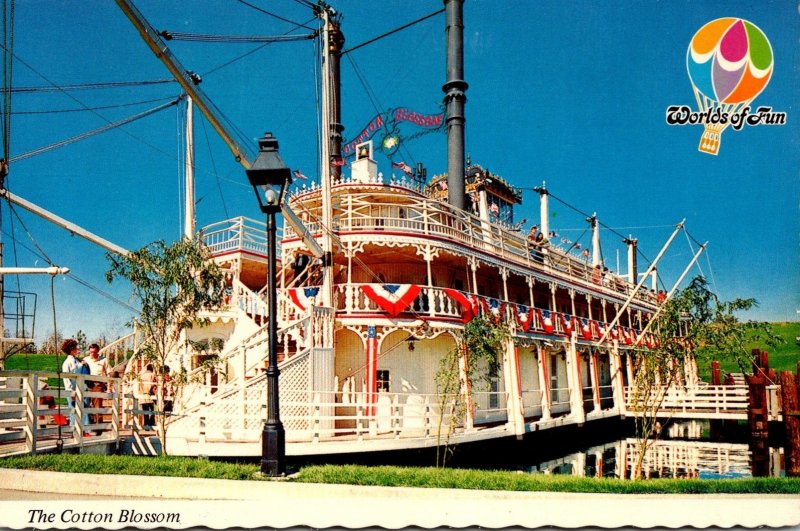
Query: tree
point(173, 284)
point(694, 324)
point(469, 365)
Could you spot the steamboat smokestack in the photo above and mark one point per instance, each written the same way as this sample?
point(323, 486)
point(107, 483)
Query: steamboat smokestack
point(336, 43)
point(454, 100)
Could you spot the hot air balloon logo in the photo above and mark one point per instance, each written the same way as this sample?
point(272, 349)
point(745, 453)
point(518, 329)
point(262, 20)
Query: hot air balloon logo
point(729, 62)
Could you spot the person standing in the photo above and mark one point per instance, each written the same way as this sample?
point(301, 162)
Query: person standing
point(70, 366)
point(97, 367)
point(144, 394)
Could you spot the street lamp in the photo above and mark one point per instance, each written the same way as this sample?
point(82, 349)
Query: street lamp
point(270, 177)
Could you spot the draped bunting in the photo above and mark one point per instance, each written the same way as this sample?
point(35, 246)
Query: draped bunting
point(523, 316)
point(394, 298)
point(493, 308)
point(469, 304)
point(567, 321)
point(303, 298)
point(586, 328)
point(547, 321)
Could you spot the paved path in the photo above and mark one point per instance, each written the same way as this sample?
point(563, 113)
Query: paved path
point(213, 503)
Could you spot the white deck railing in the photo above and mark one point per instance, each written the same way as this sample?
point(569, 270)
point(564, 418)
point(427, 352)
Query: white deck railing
point(237, 234)
point(393, 209)
point(711, 401)
point(29, 425)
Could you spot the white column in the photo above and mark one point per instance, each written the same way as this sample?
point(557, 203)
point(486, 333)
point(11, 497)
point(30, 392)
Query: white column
point(189, 220)
point(513, 389)
point(574, 380)
point(542, 357)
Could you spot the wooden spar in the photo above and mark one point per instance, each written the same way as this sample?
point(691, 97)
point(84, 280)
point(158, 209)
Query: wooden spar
point(187, 80)
point(52, 270)
point(188, 83)
point(635, 290)
point(672, 291)
point(63, 223)
point(189, 221)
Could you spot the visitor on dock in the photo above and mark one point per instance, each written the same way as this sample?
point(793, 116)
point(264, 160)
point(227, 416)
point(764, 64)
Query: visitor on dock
point(144, 394)
point(70, 366)
point(166, 390)
point(98, 367)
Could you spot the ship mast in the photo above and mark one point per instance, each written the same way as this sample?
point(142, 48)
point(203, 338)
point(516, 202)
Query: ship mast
point(331, 127)
point(454, 100)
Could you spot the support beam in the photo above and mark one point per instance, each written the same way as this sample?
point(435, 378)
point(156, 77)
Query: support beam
point(63, 223)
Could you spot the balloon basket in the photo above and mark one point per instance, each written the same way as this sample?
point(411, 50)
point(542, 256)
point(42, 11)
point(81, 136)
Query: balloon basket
point(709, 142)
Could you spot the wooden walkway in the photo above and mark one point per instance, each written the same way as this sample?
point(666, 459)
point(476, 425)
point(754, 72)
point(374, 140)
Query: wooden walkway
point(712, 402)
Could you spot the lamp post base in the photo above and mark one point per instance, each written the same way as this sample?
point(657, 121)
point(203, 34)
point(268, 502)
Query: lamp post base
point(273, 445)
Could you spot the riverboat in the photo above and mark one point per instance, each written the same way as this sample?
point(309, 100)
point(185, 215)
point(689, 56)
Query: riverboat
point(377, 278)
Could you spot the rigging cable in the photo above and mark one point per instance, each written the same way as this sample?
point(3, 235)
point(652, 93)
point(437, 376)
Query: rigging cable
point(52, 87)
point(250, 52)
point(248, 4)
point(100, 108)
point(93, 132)
point(214, 170)
point(379, 37)
point(203, 37)
point(8, 45)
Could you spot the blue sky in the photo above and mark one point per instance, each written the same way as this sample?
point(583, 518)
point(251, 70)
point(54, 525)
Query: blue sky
point(571, 93)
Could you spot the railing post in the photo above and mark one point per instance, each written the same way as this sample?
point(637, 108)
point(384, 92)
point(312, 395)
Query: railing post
point(116, 401)
point(359, 417)
point(30, 403)
point(396, 416)
point(79, 382)
point(316, 424)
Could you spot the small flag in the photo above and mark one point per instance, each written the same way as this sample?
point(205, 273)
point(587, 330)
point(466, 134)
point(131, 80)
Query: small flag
point(404, 167)
point(338, 160)
point(299, 175)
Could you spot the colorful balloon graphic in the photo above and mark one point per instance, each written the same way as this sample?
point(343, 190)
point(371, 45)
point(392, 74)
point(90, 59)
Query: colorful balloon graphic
point(729, 62)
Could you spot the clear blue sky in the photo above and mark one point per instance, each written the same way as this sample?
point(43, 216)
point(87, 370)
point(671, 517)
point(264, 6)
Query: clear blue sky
point(571, 93)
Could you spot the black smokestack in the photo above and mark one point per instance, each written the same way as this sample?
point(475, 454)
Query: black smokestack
point(454, 100)
point(336, 44)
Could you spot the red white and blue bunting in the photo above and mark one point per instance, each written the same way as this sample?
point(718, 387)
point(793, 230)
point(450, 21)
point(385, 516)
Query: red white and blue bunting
point(470, 307)
point(303, 298)
point(546, 319)
point(523, 316)
point(394, 298)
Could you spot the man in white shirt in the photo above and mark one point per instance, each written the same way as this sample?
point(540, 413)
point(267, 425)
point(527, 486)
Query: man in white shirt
point(97, 367)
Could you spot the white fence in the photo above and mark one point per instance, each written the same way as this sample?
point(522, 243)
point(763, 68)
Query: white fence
point(711, 402)
point(31, 411)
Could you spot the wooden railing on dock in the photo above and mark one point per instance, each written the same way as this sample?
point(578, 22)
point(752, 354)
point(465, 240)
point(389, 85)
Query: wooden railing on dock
point(31, 411)
point(709, 402)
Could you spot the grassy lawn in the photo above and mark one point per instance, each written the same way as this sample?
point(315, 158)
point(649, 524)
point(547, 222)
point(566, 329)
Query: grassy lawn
point(393, 476)
point(783, 357)
point(33, 362)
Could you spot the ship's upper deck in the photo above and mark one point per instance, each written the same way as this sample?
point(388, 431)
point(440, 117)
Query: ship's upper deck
point(366, 210)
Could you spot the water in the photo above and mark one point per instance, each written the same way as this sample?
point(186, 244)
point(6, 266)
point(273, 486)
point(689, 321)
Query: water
point(685, 449)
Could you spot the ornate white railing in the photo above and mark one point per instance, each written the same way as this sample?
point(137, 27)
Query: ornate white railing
point(391, 209)
point(711, 401)
point(237, 234)
point(122, 349)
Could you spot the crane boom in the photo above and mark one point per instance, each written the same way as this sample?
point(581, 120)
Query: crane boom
point(188, 81)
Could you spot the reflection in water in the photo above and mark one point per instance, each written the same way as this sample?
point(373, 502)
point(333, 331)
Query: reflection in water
point(676, 456)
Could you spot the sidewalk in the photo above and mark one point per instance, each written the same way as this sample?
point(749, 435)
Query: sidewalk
point(213, 503)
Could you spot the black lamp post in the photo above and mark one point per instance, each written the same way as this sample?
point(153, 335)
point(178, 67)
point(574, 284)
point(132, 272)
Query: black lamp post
point(270, 177)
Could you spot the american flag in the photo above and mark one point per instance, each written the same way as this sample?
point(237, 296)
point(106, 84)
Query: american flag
point(371, 387)
point(404, 167)
point(299, 175)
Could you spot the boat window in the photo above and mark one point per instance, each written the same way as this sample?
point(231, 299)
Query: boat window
point(383, 381)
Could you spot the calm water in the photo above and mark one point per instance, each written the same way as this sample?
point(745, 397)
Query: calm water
point(686, 449)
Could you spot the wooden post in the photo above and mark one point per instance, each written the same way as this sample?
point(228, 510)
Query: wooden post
point(716, 378)
point(791, 421)
point(757, 414)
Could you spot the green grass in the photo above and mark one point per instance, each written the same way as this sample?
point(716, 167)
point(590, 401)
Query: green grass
point(33, 362)
point(783, 357)
point(393, 476)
